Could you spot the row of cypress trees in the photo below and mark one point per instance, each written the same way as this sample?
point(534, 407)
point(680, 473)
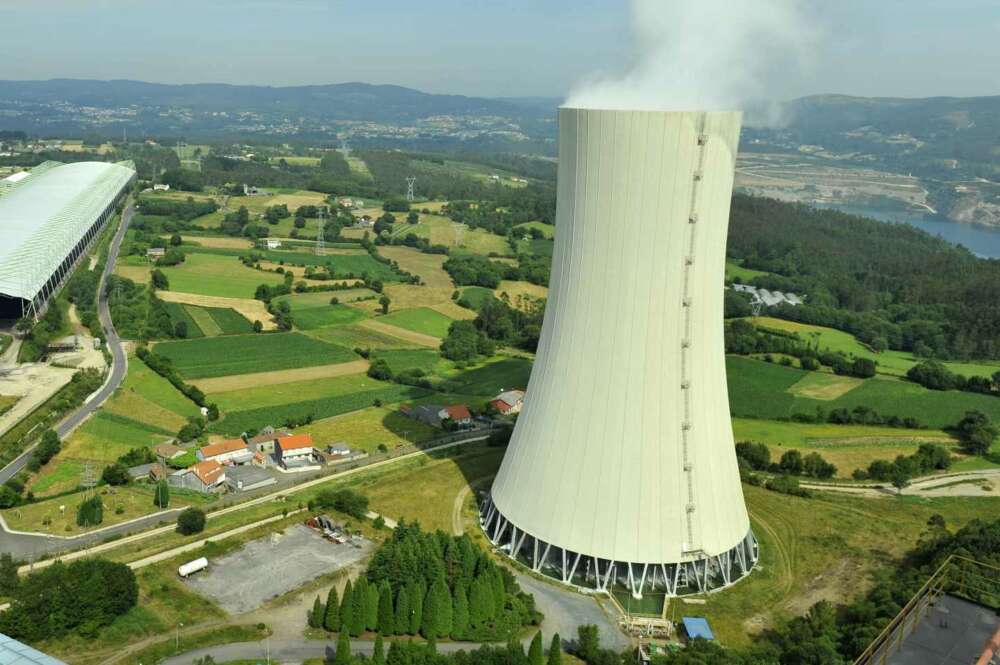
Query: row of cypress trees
point(410, 653)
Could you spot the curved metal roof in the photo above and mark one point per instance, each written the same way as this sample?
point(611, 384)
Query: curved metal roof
point(45, 215)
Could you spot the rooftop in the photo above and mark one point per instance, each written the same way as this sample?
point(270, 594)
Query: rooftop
point(208, 471)
point(295, 442)
point(228, 446)
point(43, 217)
point(13, 652)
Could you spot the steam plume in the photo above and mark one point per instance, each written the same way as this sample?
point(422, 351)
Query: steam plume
point(703, 54)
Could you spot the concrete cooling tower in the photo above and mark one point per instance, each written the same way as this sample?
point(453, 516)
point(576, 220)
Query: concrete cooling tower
point(621, 473)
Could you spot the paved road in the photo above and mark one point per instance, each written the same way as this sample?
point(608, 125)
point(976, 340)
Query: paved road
point(26, 546)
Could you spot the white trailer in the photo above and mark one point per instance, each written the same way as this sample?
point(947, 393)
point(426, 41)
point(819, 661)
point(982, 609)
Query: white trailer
point(192, 567)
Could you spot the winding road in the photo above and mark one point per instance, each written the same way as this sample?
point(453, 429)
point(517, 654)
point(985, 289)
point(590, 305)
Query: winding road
point(23, 545)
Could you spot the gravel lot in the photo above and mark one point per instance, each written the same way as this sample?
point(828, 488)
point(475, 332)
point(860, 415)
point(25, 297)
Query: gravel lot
point(263, 569)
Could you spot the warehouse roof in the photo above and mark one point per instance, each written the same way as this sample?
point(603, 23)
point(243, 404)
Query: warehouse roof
point(44, 216)
point(13, 652)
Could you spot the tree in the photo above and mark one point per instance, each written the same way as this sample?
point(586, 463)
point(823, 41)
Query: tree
point(413, 218)
point(331, 620)
point(315, 618)
point(359, 608)
point(791, 463)
point(402, 611)
point(115, 474)
point(176, 240)
point(181, 330)
point(378, 654)
point(343, 654)
point(460, 613)
point(372, 598)
point(386, 618)
point(535, 655)
point(347, 608)
point(159, 280)
point(345, 500)
point(90, 512)
point(555, 651)
point(976, 433)
point(9, 580)
point(417, 592)
point(191, 521)
point(258, 327)
point(161, 496)
point(384, 301)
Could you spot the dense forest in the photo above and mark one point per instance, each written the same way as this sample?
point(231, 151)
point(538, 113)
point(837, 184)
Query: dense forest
point(891, 285)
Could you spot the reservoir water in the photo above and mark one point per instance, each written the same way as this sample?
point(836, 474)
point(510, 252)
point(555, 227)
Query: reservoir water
point(980, 240)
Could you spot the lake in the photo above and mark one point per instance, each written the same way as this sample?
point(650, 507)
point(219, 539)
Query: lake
point(981, 240)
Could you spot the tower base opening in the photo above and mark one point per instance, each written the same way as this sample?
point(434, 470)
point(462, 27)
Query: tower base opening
point(643, 586)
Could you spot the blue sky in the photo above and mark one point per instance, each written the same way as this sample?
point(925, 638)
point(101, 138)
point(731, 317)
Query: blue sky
point(475, 47)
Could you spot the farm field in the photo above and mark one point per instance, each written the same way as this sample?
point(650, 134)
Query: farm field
point(424, 359)
point(515, 290)
point(221, 384)
point(247, 354)
point(823, 386)
point(345, 266)
point(849, 447)
point(735, 271)
point(421, 320)
point(217, 242)
point(217, 275)
point(490, 379)
point(368, 428)
point(762, 390)
point(261, 396)
point(301, 301)
point(208, 321)
point(547, 229)
point(247, 309)
point(326, 316)
point(428, 266)
point(894, 363)
point(440, 230)
point(473, 296)
point(355, 336)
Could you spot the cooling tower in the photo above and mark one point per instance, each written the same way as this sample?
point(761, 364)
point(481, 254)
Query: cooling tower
point(621, 472)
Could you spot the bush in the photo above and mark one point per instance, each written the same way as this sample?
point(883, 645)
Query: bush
point(191, 521)
point(90, 512)
point(115, 474)
point(345, 500)
point(45, 450)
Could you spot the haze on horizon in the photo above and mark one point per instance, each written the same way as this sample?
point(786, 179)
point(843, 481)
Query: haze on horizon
point(906, 48)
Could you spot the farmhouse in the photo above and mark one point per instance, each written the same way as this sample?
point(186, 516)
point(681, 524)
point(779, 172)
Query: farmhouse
point(155, 253)
point(206, 477)
point(153, 471)
point(266, 440)
point(294, 450)
point(161, 187)
point(233, 451)
point(458, 413)
point(509, 402)
point(434, 414)
point(167, 451)
point(339, 453)
point(271, 243)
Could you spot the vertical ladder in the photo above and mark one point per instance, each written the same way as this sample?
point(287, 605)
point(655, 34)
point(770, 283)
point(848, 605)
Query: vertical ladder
point(688, 304)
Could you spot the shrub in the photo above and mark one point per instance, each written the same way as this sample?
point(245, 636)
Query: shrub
point(345, 500)
point(90, 512)
point(191, 521)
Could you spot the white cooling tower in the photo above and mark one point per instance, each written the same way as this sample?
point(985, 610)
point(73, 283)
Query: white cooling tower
point(622, 470)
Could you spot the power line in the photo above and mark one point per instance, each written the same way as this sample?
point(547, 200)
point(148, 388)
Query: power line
point(410, 181)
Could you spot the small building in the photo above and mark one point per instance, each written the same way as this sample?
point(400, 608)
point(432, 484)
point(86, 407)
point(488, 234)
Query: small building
point(271, 243)
point(295, 450)
point(339, 453)
point(207, 477)
point(509, 402)
point(153, 471)
point(428, 414)
point(366, 222)
point(232, 451)
point(248, 478)
point(155, 253)
point(161, 187)
point(457, 413)
point(65, 344)
point(167, 451)
point(19, 653)
point(265, 441)
point(345, 203)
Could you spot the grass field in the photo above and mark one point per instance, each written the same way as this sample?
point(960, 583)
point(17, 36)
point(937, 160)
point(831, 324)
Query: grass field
point(428, 266)
point(822, 386)
point(515, 290)
point(440, 230)
point(353, 336)
point(495, 376)
point(326, 316)
point(301, 301)
point(763, 390)
point(894, 363)
point(345, 266)
point(246, 354)
point(474, 296)
point(421, 320)
point(254, 397)
point(424, 359)
point(217, 275)
point(369, 428)
point(106, 436)
point(547, 229)
point(735, 270)
point(849, 447)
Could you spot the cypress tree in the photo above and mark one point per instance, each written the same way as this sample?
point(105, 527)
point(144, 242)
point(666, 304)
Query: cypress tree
point(332, 619)
point(442, 606)
point(431, 646)
point(359, 607)
point(479, 603)
point(428, 625)
point(460, 613)
point(417, 593)
point(343, 654)
point(555, 651)
point(386, 619)
point(378, 656)
point(499, 591)
point(403, 611)
point(347, 608)
point(535, 655)
point(371, 607)
point(316, 614)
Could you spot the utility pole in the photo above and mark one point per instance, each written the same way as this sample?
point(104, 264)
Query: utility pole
point(321, 219)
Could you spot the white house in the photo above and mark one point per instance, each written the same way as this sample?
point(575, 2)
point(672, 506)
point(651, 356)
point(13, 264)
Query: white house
point(272, 243)
point(509, 402)
point(295, 449)
point(233, 451)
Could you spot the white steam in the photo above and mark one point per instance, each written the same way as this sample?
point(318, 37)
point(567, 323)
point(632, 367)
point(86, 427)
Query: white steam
point(704, 54)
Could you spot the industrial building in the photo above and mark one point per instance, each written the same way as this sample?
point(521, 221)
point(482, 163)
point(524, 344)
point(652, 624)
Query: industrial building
point(48, 219)
point(621, 473)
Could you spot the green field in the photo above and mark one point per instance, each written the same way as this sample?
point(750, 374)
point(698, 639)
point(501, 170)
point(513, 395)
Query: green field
point(759, 389)
point(208, 321)
point(106, 436)
point(217, 275)
point(534, 247)
point(357, 337)
point(345, 266)
point(439, 230)
point(149, 385)
point(324, 317)
point(236, 422)
point(246, 354)
point(254, 397)
point(300, 301)
point(547, 229)
point(424, 359)
point(420, 319)
point(474, 296)
point(735, 270)
point(494, 377)
point(894, 363)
